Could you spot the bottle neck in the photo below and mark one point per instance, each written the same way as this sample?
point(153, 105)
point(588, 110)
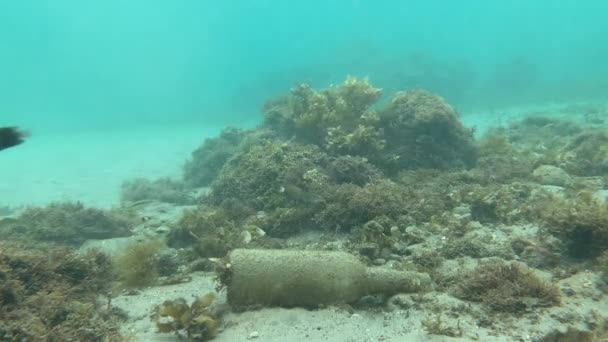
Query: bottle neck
point(381, 280)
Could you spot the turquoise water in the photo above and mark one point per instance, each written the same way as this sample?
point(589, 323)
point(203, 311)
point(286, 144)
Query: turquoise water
point(495, 201)
point(99, 64)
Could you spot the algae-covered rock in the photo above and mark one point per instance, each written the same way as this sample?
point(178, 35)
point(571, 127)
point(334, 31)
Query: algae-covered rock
point(340, 106)
point(51, 294)
point(67, 222)
point(212, 231)
point(579, 220)
point(506, 203)
point(164, 190)
point(501, 160)
point(552, 175)
point(337, 119)
point(349, 205)
point(423, 131)
point(208, 160)
point(586, 154)
point(414, 130)
point(271, 174)
point(507, 287)
point(351, 169)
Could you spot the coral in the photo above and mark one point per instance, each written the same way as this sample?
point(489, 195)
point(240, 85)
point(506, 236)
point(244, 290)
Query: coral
point(507, 287)
point(164, 190)
point(137, 265)
point(51, 295)
point(208, 160)
point(67, 222)
point(198, 321)
point(422, 131)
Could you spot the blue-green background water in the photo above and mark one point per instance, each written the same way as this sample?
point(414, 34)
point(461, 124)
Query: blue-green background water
point(75, 64)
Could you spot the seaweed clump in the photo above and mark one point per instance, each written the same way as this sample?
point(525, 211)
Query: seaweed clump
point(196, 322)
point(423, 131)
point(67, 222)
point(137, 265)
point(349, 206)
point(507, 287)
point(163, 190)
point(579, 220)
point(208, 160)
point(500, 160)
point(336, 117)
point(51, 295)
point(270, 174)
point(586, 154)
point(416, 129)
point(211, 231)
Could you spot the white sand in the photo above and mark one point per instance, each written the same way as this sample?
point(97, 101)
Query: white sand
point(90, 166)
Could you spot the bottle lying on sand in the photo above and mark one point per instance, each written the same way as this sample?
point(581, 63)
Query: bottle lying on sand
point(11, 136)
point(291, 278)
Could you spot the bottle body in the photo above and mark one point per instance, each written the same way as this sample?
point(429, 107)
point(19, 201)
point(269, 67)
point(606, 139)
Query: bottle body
point(291, 278)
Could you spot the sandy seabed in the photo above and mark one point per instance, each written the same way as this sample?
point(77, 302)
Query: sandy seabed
point(90, 166)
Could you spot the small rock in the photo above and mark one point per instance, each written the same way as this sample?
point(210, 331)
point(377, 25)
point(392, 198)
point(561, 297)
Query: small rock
point(379, 262)
point(246, 236)
point(395, 257)
point(254, 334)
point(385, 253)
point(462, 210)
point(416, 234)
point(568, 291)
point(368, 249)
point(553, 189)
point(162, 230)
point(552, 175)
point(260, 232)
point(601, 196)
point(474, 225)
point(593, 182)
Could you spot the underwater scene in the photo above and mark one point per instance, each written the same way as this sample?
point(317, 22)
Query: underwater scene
point(342, 171)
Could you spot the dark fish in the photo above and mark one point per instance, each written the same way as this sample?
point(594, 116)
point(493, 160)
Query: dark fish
point(11, 136)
